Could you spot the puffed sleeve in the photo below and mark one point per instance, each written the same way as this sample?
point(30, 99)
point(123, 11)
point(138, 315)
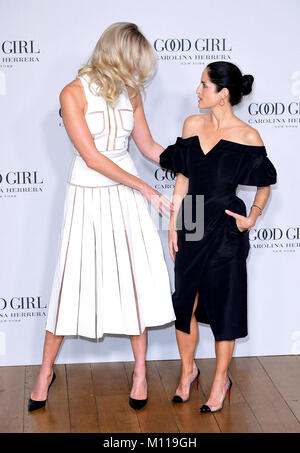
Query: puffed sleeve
point(255, 169)
point(175, 157)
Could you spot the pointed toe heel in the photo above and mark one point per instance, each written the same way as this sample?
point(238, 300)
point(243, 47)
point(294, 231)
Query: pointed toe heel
point(205, 408)
point(178, 399)
point(33, 405)
point(137, 404)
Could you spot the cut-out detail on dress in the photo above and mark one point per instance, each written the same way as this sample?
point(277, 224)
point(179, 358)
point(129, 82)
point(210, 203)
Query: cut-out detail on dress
point(98, 122)
point(94, 187)
point(122, 119)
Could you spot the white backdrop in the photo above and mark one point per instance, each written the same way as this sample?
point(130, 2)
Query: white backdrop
point(42, 44)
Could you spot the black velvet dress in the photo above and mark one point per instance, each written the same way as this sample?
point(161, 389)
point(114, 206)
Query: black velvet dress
point(215, 264)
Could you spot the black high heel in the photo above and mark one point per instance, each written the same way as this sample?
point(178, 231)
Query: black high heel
point(137, 404)
point(33, 405)
point(206, 408)
point(178, 399)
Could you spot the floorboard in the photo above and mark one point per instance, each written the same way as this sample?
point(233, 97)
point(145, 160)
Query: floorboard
point(94, 398)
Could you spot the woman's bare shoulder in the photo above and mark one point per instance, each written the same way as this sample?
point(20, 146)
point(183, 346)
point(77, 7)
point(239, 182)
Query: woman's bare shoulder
point(251, 136)
point(193, 124)
point(73, 90)
point(196, 119)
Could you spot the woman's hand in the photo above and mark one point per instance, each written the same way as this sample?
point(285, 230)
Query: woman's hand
point(172, 242)
point(243, 223)
point(160, 203)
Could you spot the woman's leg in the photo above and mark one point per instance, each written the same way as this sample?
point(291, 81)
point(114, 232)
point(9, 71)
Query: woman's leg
point(139, 347)
point(187, 345)
point(224, 351)
point(51, 347)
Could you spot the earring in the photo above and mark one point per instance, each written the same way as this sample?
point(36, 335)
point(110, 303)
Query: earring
point(222, 100)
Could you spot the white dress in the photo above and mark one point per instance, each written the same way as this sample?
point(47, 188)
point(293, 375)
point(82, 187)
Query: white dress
point(111, 275)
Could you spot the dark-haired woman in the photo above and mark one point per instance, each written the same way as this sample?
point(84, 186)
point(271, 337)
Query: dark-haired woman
point(217, 152)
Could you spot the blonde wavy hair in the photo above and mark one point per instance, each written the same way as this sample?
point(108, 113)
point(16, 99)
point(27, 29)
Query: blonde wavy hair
point(122, 57)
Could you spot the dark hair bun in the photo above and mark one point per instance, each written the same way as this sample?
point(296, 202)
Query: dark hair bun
point(227, 75)
point(247, 81)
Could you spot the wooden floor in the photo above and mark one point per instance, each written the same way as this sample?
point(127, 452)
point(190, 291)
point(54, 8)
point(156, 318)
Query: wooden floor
point(91, 398)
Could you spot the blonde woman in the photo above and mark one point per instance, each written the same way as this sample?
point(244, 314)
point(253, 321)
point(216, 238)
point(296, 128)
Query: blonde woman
point(110, 276)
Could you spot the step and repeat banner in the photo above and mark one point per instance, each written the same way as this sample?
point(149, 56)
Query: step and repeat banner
point(42, 45)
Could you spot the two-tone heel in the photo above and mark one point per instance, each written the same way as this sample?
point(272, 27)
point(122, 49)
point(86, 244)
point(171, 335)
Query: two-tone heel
point(178, 399)
point(205, 408)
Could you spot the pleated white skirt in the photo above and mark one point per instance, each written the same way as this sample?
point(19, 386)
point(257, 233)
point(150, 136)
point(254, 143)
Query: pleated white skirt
point(111, 275)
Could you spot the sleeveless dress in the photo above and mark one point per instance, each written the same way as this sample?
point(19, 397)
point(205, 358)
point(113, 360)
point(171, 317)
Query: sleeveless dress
point(214, 264)
point(110, 275)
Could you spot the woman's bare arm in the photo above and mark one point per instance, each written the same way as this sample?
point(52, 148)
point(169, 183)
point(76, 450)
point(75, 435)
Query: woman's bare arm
point(180, 190)
point(141, 133)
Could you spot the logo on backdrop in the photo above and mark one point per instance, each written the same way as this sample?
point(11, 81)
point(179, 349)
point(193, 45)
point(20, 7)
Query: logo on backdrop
point(18, 52)
point(192, 51)
point(16, 182)
point(279, 240)
point(279, 114)
point(17, 309)
point(165, 179)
